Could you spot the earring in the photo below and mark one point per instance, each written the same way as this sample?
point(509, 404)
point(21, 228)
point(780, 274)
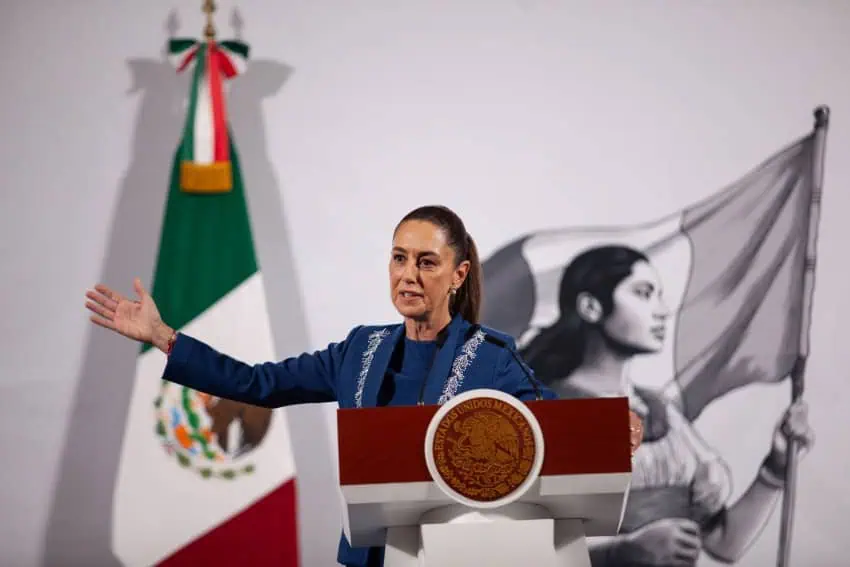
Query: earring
point(452, 291)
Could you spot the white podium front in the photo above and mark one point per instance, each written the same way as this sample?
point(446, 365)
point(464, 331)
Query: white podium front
point(485, 480)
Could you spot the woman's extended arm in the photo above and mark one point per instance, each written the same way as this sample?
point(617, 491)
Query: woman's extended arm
point(745, 519)
point(302, 379)
point(309, 377)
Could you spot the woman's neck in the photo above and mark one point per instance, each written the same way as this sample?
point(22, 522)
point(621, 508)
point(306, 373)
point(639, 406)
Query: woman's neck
point(604, 371)
point(428, 329)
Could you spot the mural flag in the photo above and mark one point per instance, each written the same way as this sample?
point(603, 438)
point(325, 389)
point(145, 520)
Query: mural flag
point(734, 269)
point(202, 478)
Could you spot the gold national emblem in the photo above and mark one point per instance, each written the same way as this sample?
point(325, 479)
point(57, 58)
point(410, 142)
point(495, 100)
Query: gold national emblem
point(484, 449)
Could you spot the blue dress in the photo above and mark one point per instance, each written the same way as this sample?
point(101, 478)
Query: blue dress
point(373, 366)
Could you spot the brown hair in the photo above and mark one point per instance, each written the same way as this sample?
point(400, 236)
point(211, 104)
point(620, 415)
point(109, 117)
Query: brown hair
point(467, 300)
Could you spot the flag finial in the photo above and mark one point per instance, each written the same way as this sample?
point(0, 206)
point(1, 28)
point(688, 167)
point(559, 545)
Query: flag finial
point(208, 9)
point(821, 116)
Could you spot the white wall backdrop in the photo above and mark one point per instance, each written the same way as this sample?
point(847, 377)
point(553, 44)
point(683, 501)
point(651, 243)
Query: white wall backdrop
point(519, 114)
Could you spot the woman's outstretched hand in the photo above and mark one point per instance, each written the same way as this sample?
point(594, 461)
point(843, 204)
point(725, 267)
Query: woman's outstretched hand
point(136, 319)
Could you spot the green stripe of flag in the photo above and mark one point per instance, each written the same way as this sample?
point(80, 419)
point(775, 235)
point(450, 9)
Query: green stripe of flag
point(206, 248)
point(187, 145)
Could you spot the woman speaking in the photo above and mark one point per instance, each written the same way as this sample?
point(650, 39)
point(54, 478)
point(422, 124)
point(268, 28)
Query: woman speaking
point(438, 351)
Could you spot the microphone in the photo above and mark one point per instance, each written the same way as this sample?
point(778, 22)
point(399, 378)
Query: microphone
point(528, 375)
point(441, 340)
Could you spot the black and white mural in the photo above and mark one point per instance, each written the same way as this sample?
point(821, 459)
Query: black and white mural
point(676, 313)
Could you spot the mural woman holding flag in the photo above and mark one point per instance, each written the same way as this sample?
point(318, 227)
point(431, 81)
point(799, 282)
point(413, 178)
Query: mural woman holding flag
point(612, 310)
point(738, 273)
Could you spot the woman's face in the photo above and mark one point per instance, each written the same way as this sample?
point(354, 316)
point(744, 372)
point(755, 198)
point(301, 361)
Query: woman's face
point(423, 271)
point(638, 320)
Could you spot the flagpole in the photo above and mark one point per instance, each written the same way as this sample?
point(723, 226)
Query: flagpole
point(821, 115)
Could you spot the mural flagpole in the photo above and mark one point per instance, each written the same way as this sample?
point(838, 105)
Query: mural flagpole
point(821, 115)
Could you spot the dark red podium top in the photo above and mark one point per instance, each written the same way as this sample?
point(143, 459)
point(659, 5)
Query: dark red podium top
point(582, 436)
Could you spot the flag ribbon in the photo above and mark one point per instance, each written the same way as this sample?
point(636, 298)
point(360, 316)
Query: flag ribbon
point(205, 165)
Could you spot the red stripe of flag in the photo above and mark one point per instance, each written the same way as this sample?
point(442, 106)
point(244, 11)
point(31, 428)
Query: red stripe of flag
point(187, 59)
point(220, 149)
point(263, 535)
point(225, 64)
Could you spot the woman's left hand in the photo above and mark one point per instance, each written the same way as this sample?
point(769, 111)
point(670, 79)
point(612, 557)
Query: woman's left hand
point(793, 426)
point(635, 430)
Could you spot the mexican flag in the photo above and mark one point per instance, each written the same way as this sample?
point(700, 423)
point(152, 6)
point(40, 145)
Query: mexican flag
point(201, 480)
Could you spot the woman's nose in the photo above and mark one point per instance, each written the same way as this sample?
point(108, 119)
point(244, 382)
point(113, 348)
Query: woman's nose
point(410, 273)
point(662, 310)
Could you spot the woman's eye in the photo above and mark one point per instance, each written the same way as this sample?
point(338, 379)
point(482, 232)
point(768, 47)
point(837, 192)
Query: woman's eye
point(398, 258)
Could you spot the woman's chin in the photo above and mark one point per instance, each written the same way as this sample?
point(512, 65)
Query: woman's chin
point(654, 347)
point(410, 311)
point(647, 346)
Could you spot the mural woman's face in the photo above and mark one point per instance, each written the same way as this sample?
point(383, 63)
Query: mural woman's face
point(638, 320)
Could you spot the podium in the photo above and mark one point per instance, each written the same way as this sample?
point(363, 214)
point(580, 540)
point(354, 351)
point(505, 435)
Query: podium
point(485, 479)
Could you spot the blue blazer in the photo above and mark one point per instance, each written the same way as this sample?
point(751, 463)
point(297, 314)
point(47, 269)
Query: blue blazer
point(351, 373)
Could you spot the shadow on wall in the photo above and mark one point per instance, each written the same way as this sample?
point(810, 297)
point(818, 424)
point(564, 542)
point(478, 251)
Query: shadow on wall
point(319, 510)
point(79, 529)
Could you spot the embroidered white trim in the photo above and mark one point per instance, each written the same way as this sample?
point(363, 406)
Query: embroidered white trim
point(375, 340)
point(459, 366)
